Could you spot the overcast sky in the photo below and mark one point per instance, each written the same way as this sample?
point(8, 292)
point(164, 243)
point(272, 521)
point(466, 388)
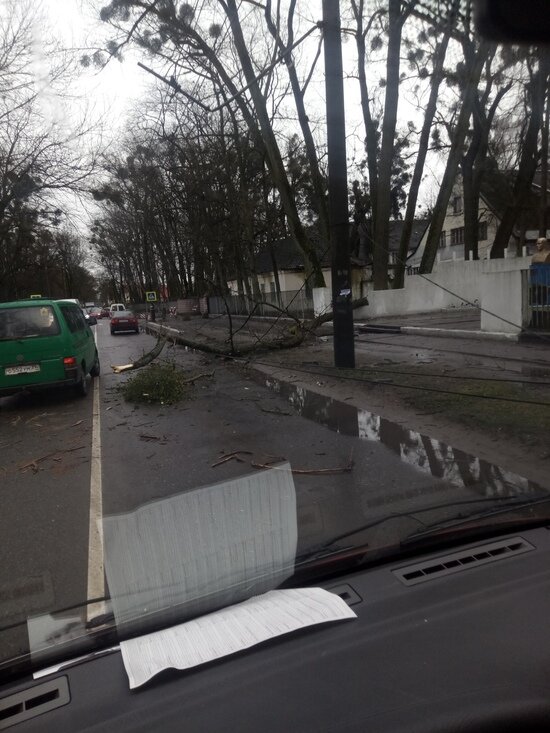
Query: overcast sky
point(112, 90)
point(112, 93)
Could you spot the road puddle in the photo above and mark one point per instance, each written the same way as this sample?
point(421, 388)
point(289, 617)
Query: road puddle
point(426, 454)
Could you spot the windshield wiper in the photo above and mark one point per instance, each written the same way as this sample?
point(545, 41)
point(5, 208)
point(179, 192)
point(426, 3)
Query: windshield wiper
point(458, 527)
point(503, 504)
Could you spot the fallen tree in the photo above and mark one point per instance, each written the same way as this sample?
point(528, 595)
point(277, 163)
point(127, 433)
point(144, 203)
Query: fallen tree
point(294, 335)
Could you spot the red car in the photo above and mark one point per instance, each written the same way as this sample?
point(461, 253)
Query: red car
point(105, 313)
point(124, 321)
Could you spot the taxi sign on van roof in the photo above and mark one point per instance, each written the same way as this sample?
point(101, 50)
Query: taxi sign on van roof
point(36, 296)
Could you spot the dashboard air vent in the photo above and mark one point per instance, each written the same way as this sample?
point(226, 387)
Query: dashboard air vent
point(33, 701)
point(458, 561)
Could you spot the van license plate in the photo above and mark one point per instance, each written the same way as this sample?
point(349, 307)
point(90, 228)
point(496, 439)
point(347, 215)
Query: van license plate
point(23, 369)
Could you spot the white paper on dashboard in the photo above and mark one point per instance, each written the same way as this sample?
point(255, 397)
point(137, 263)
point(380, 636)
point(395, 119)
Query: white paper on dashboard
point(230, 630)
point(201, 550)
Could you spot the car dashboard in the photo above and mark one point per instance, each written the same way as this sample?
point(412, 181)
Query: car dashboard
point(454, 640)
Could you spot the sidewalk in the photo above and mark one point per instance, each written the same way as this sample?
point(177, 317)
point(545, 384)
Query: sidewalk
point(458, 323)
point(458, 318)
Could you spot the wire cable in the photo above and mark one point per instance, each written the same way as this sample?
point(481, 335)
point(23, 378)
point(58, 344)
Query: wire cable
point(442, 376)
point(422, 388)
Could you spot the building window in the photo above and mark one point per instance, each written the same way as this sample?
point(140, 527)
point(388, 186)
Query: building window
point(482, 231)
point(457, 204)
point(457, 235)
point(443, 239)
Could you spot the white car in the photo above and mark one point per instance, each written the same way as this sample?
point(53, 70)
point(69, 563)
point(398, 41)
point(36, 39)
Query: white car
point(116, 307)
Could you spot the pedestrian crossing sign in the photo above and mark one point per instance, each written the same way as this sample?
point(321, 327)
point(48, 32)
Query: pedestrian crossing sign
point(151, 296)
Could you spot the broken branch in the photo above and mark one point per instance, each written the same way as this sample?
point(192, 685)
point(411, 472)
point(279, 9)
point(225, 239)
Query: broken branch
point(144, 360)
point(198, 376)
point(309, 471)
point(230, 456)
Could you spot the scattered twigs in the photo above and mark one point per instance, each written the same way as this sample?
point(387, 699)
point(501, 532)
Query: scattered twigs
point(192, 380)
point(235, 455)
point(308, 471)
point(34, 463)
point(276, 412)
point(274, 460)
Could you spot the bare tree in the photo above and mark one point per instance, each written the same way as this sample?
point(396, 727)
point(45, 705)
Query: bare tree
point(42, 153)
point(220, 54)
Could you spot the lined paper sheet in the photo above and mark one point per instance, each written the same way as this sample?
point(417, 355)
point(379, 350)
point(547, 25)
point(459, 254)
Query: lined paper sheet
point(230, 630)
point(190, 554)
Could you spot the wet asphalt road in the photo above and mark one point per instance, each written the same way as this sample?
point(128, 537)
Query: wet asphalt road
point(149, 452)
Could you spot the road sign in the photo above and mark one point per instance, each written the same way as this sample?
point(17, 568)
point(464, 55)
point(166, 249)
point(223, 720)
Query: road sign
point(151, 296)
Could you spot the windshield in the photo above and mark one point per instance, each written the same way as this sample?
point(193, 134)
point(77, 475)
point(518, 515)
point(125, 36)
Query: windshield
point(321, 295)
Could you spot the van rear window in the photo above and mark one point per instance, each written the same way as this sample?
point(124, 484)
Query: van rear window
point(22, 323)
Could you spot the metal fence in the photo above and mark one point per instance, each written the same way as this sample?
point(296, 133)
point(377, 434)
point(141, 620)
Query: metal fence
point(296, 302)
point(539, 296)
point(142, 309)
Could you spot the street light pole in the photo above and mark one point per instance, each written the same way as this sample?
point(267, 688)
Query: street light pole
point(344, 347)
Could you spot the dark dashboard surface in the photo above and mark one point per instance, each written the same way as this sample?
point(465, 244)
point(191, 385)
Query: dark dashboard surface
point(450, 641)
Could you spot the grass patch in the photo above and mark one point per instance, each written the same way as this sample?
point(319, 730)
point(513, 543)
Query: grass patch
point(159, 384)
point(528, 423)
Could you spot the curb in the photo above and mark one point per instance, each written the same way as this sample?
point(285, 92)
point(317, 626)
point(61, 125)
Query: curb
point(377, 328)
point(443, 332)
point(461, 333)
point(410, 330)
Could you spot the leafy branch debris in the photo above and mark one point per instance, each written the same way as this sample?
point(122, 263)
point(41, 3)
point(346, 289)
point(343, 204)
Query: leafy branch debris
point(163, 384)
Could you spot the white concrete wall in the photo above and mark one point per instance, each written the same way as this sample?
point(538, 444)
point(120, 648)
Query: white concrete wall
point(504, 301)
point(452, 284)
point(321, 300)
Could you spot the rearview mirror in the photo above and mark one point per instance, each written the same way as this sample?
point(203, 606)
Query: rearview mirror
point(510, 21)
point(92, 320)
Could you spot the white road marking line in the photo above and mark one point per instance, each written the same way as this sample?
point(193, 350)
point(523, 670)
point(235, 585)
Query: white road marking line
point(96, 574)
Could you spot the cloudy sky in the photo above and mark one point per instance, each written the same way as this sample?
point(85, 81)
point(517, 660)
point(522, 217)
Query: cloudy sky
point(111, 91)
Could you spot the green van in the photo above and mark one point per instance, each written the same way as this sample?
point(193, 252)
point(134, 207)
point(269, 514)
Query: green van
point(45, 343)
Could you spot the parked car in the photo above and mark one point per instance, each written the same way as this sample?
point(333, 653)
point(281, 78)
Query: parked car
point(105, 313)
point(45, 343)
point(124, 321)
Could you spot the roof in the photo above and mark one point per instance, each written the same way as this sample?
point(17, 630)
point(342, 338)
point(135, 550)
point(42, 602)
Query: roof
point(396, 227)
point(24, 302)
point(289, 257)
